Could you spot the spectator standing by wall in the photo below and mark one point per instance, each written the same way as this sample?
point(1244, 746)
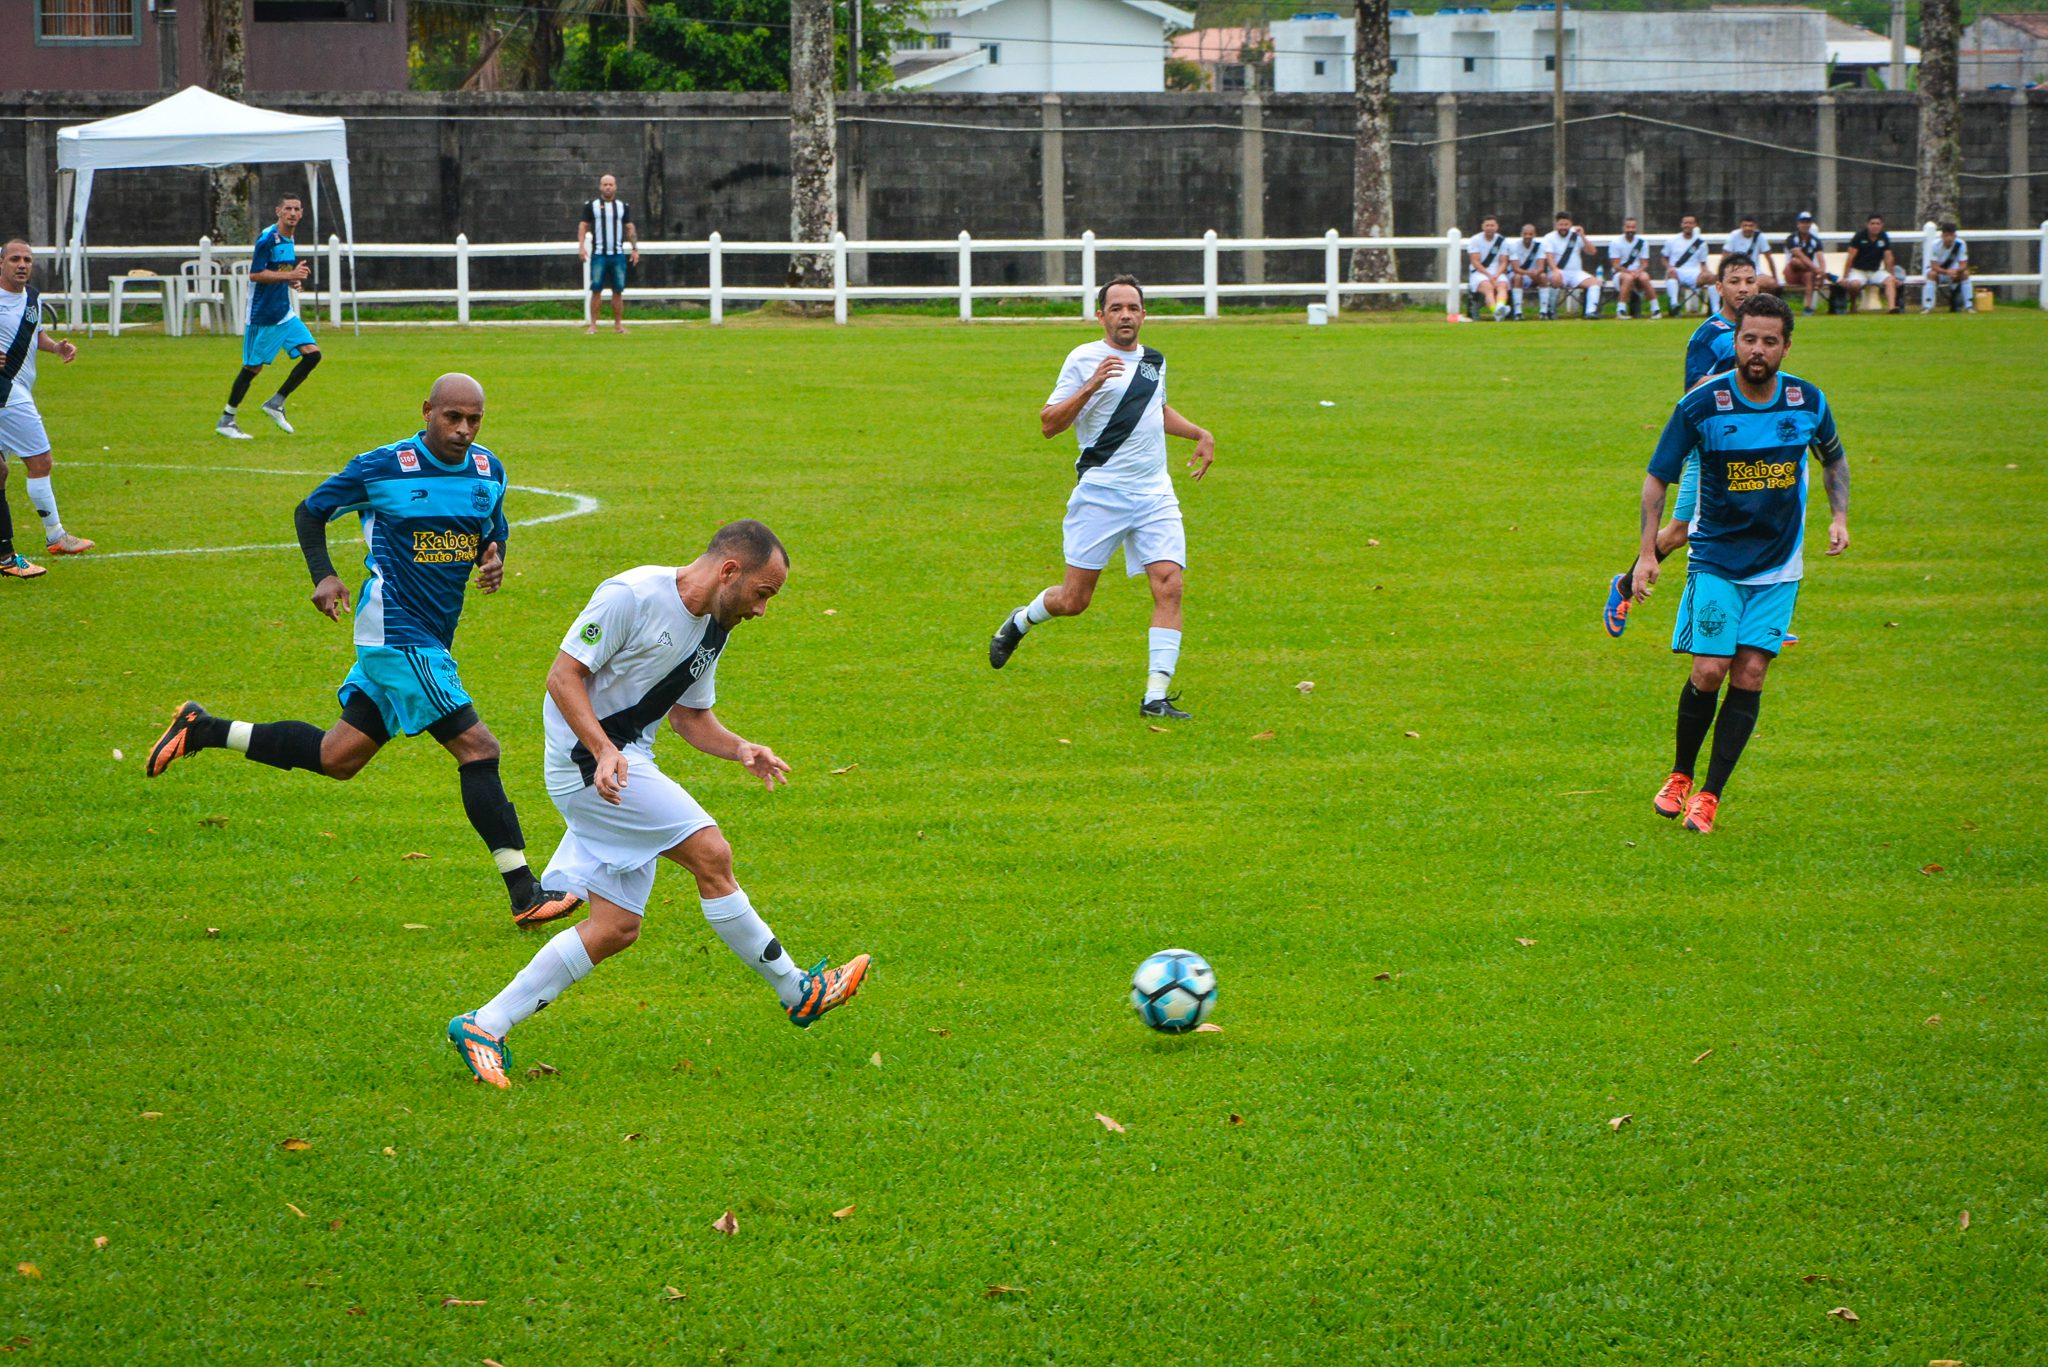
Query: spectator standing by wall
point(607, 239)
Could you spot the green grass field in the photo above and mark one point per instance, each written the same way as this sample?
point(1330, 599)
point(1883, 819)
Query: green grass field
point(1829, 1052)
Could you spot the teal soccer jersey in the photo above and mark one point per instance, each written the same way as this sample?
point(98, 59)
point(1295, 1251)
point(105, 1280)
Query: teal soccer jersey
point(1752, 497)
point(271, 301)
point(1711, 350)
point(425, 523)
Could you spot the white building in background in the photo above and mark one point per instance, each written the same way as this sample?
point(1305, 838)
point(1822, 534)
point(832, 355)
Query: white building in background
point(1471, 49)
point(1861, 57)
point(1040, 46)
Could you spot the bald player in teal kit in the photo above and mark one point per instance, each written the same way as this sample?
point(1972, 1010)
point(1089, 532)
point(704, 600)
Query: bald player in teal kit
point(1750, 429)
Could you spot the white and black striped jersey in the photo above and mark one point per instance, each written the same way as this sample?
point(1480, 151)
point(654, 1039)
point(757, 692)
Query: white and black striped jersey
point(607, 220)
point(1483, 253)
point(1526, 256)
point(1567, 249)
point(1755, 246)
point(1681, 251)
point(1629, 253)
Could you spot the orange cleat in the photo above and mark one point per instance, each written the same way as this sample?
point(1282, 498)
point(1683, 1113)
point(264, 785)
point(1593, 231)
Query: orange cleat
point(174, 742)
point(71, 545)
point(485, 1055)
point(1699, 813)
point(824, 988)
point(1670, 799)
point(21, 567)
point(546, 906)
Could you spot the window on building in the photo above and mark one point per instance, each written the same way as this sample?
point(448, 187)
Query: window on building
point(941, 41)
point(1230, 76)
point(1549, 62)
point(1320, 65)
point(995, 53)
point(296, 11)
point(88, 21)
point(1471, 64)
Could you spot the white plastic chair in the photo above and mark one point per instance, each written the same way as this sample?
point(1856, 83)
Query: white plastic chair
point(164, 291)
point(205, 293)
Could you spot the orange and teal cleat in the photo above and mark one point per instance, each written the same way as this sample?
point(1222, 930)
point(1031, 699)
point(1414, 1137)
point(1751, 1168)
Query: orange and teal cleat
point(1670, 799)
point(824, 988)
point(1699, 813)
point(546, 905)
point(486, 1056)
point(21, 567)
point(1789, 640)
point(1620, 593)
point(176, 740)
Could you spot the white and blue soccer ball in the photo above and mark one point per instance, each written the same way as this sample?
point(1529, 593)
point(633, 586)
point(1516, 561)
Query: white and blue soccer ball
point(1174, 990)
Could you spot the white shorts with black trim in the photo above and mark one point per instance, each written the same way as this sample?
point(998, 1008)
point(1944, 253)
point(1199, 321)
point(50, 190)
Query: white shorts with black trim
point(612, 851)
point(1688, 276)
point(1574, 278)
point(1477, 279)
point(1147, 525)
point(21, 431)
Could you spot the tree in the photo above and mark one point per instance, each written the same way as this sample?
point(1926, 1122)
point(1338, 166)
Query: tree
point(229, 188)
point(1372, 165)
point(717, 45)
point(813, 141)
point(1941, 113)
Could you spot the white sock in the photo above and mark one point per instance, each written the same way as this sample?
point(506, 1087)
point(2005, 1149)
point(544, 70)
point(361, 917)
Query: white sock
point(1162, 654)
point(1926, 302)
point(748, 936)
point(558, 963)
point(1548, 296)
point(1592, 300)
point(1671, 293)
point(45, 503)
point(1521, 298)
point(1032, 613)
point(238, 736)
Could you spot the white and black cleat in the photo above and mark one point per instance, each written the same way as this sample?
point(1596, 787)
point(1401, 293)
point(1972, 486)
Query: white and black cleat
point(1003, 644)
point(1163, 707)
point(273, 409)
point(226, 427)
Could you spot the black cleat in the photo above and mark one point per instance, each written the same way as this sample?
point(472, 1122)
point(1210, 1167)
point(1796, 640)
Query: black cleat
point(544, 905)
point(176, 741)
point(1163, 707)
point(1003, 644)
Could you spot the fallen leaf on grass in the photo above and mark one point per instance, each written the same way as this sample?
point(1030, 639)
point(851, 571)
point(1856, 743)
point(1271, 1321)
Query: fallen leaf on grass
point(726, 1224)
point(1702, 1056)
point(1812, 1277)
point(1208, 1028)
point(492, 1362)
point(1265, 735)
point(390, 1152)
point(295, 1210)
point(416, 854)
point(29, 1270)
point(1065, 741)
point(842, 1212)
point(542, 1070)
point(1412, 735)
point(99, 1241)
point(941, 1031)
point(1581, 792)
point(1524, 943)
point(1619, 1121)
point(447, 1301)
point(1372, 541)
point(1931, 868)
point(1963, 1220)
point(1932, 1020)
point(876, 1058)
point(831, 612)
point(215, 821)
point(1382, 977)
point(1236, 1119)
point(294, 1145)
point(1109, 1124)
point(415, 925)
point(633, 1136)
point(1844, 1314)
point(327, 834)
point(152, 1115)
point(1944, 1362)
point(1307, 686)
point(1160, 729)
point(334, 1226)
point(213, 932)
point(998, 1289)
point(672, 1293)
point(1891, 624)
point(119, 755)
point(357, 1310)
point(684, 1067)
point(848, 768)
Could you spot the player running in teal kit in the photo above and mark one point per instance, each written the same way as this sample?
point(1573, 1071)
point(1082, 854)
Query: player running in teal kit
point(1749, 430)
point(433, 512)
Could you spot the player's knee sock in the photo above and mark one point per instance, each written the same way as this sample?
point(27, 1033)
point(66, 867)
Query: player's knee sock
point(240, 392)
point(1521, 298)
point(44, 502)
point(298, 375)
point(1548, 297)
point(1032, 613)
point(748, 936)
point(1162, 654)
point(280, 744)
point(553, 968)
point(6, 526)
point(496, 821)
point(1731, 733)
point(1592, 300)
point(1695, 719)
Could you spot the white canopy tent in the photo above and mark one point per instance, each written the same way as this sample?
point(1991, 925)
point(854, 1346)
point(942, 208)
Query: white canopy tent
point(198, 128)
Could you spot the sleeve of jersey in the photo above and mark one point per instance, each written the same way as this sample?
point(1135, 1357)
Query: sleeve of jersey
point(1827, 443)
point(343, 491)
point(587, 216)
point(1699, 359)
point(501, 530)
point(1679, 437)
point(259, 259)
point(1070, 382)
point(704, 692)
point(601, 627)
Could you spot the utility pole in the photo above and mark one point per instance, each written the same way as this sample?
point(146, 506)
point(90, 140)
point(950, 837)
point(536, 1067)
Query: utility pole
point(1557, 107)
point(1897, 79)
point(853, 47)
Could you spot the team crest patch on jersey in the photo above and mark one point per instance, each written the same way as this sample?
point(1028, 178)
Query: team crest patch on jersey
point(1724, 401)
point(408, 460)
point(701, 661)
point(1148, 370)
point(1788, 429)
point(483, 462)
point(1795, 396)
point(481, 497)
point(592, 632)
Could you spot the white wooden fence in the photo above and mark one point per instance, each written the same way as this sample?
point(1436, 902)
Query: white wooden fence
point(1330, 287)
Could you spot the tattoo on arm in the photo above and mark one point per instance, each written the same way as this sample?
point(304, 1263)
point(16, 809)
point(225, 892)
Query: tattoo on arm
point(1835, 478)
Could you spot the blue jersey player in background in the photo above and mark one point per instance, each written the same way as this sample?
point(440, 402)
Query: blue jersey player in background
point(273, 324)
point(1710, 351)
point(433, 511)
point(1749, 429)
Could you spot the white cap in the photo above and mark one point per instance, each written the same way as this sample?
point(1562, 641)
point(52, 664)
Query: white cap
point(1804, 217)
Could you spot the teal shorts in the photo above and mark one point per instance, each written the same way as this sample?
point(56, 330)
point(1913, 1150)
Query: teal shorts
point(412, 687)
point(261, 342)
point(1688, 490)
point(1717, 616)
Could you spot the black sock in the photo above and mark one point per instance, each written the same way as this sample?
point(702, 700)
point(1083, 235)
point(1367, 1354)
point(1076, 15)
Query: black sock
point(243, 380)
point(492, 814)
point(207, 733)
point(1695, 718)
point(284, 744)
point(1731, 733)
point(298, 375)
point(6, 527)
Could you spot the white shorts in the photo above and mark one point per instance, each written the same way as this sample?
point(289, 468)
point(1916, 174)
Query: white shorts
point(21, 431)
point(1479, 278)
point(1574, 278)
point(1147, 526)
point(1689, 276)
point(1856, 280)
point(612, 851)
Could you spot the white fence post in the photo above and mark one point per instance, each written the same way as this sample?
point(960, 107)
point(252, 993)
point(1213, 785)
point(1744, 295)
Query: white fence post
point(966, 278)
point(2042, 262)
point(1209, 274)
point(716, 264)
point(1454, 242)
point(839, 277)
point(1330, 276)
point(1088, 271)
point(333, 279)
point(462, 278)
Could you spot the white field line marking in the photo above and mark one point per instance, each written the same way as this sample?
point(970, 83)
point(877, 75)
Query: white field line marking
point(579, 505)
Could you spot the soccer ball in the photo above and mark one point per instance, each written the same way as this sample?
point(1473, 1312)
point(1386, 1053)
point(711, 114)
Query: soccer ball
point(1174, 990)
